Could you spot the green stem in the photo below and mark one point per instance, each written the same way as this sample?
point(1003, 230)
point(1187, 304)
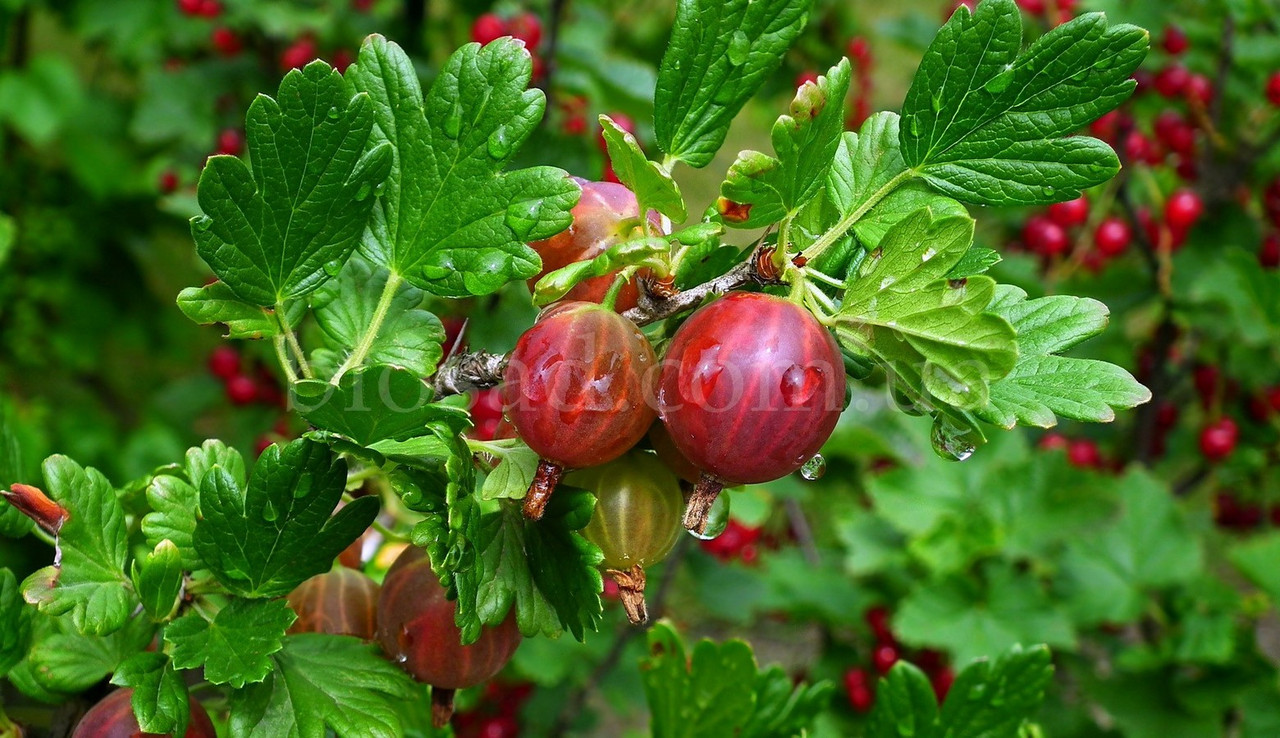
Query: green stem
point(357, 356)
point(668, 163)
point(611, 297)
point(847, 222)
point(386, 532)
point(283, 356)
point(292, 339)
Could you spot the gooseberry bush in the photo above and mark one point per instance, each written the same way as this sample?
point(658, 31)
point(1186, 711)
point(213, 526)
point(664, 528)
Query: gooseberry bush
point(507, 493)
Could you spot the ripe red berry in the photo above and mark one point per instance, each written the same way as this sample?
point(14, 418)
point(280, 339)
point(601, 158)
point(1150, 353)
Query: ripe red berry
point(242, 390)
point(1034, 7)
point(298, 54)
point(605, 215)
point(1269, 251)
point(210, 8)
point(486, 414)
point(578, 389)
point(1083, 453)
point(1229, 512)
point(1218, 439)
point(417, 631)
point(859, 51)
point(498, 726)
point(190, 7)
point(113, 718)
point(1175, 132)
point(1167, 415)
point(263, 443)
point(342, 601)
point(1171, 81)
point(1273, 89)
point(1183, 209)
point(807, 75)
point(488, 27)
point(1112, 237)
point(884, 657)
point(1205, 377)
point(362, 6)
point(1044, 236)
point(341, 60)
point(878, 620)
point(858, 687)
point(1070, 213)
point(752, 386)
point(528, 28)
point(733, 541)
point(1139, 148)
point(1174, 40)
point(1053, 442)
point(941, 681)
point(168, 182)
point(225, 41)
point(230, 142)
point(1199, 89)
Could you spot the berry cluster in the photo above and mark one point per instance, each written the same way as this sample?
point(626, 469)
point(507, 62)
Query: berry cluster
point(859, 682)
point(245, 385)
point(738, 541)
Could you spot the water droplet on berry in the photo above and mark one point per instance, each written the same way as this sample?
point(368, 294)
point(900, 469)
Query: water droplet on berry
point(799, 383)
point(814, 468)
point(717, 518)
point(952, 442)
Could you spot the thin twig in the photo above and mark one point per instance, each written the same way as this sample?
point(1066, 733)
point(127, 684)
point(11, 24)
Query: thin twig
point(652, 308)
point(553, 43)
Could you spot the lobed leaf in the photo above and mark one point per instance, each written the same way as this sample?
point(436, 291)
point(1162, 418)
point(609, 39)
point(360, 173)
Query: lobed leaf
point(235, 646)
point(160, 700)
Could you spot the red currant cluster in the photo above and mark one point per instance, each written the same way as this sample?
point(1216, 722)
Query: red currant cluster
point(738, 541)
point(1233, 513)
point(496, 717)
point(524, 26)
point(859, 682)
point(200, 8)
point(1054, 12)
point(245, 385)
point(1082, 453)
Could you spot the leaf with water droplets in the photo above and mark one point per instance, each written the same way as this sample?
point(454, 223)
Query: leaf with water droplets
point(990, 124)
point(1042, 385)
point(805, 141)
point(268, 231)
point(653, 186)
point(450, 220)
point(266, 539)
point(720, 53)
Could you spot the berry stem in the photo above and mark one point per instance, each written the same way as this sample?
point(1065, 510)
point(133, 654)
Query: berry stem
point(631, 585)
point(441, 706)
point(847, 222)
point(358, 354)
point(292, 339)
point(282, 355)
point(544, 483)
point(700, 502)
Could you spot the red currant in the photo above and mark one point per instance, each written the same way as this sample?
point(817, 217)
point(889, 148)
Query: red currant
point(242, 390)
point(339, 602)
point(878, 619)
point(230, 142)
point(1044, 236)
point(190, 7)
point(1112, 237)
point(225, 41)
point(168, 182)
point(884, 657)
point(1269, 252)
point(1175, 132)
point(1084, 454)
point(1183, 209)
point(113, 718)
point(1053, 442)
point(486, 414)
point(1273, 89)
point(859, 689)
point(1218, 439)
point(1171, 81)
point(224, 362)
point(298, 54)
point(941, 681)
point(488, 28)
point(806, 76)
point(1070, 213)
point(1174, 40)
point(528, 28)
point(752, 386)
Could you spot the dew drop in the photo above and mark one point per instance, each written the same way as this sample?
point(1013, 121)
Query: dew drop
point(1000, 82)
point(453, 123)
point(799, 383)
point(522, 216)
point(201, 223)
point(915, 126)
point(951, 442)
point(363, 193)
point(935, 101)
point(739, 48)
point(717, 518)
point(269, 512)
point(814, 468)
point(334, 113)
point(499, 143)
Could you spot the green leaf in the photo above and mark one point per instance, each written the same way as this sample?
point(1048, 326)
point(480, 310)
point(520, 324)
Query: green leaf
point(160, 700)
point(1256, 559)
point(905, 705)
point(265, 540)
point(15, 624)
point(69, 662)
point(216, 303)
point(158, 581)
point(783, 708)
point(711, 693)
point(235, 647)
point(557, 284)
point(449, 220)
point(370, 404)
point(271, 232)
point(977, 260)
point(89, 581)
point(986, 124)
point(653, 186)
point(1041, 385)
point(976, 618)
point(720, 53)
point(13, 524)
point(512, 476)
point(544, 569)
point(174, 498)
point(320, 681)
point(8, 234)
point(991, 699)
point(1109, 573)
point(901, 296)
point(805, 141)
point(410, 336)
